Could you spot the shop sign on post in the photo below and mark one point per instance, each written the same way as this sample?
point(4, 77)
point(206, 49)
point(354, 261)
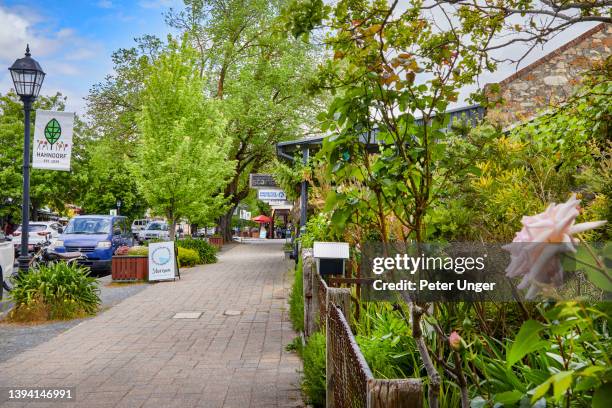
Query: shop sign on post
point(271, 194)
point(52, 140)
point(162, 261)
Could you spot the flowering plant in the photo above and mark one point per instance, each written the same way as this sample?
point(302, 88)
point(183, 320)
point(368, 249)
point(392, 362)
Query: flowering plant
point(536, 247)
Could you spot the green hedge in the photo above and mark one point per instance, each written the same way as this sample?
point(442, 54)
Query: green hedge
point(206, 252)
point(187, 257)
point(296, 299)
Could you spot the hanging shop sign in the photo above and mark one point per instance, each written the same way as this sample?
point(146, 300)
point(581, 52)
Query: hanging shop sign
point(52, 140)
point(262, 181)
point(271, 195)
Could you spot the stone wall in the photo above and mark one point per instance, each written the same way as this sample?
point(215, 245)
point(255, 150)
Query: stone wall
point(550, 80)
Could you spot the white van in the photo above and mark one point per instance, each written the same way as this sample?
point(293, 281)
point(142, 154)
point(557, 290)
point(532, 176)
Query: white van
point(138, 225)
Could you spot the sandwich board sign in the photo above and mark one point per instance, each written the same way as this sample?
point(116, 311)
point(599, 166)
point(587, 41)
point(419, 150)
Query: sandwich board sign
point(163, 264)
point(52, 140)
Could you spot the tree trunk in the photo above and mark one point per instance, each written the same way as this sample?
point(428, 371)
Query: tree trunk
point(221, 81)
point(33, 211)
point(225, 224)
point(172, 229)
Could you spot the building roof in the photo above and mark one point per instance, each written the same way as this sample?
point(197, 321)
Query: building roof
point(525, 70)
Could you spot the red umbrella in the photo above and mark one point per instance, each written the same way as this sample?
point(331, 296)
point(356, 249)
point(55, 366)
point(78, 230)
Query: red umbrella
point(262, 219)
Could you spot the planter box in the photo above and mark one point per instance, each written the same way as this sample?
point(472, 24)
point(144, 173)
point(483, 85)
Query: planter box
point(130, 268)
point(216, 241)
point(255, 234)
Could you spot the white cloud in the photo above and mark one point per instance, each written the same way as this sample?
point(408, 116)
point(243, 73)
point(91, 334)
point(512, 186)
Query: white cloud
point(155, 4)
point(13, 35)
point(105, 4)
point(70, 61)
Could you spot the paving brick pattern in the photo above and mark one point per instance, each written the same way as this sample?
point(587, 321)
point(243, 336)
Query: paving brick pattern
point(137, 355)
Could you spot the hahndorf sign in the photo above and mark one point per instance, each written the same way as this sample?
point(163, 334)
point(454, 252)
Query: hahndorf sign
point(52, 140)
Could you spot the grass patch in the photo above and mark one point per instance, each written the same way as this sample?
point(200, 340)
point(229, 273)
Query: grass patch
point(313, 383)
point(296, 299)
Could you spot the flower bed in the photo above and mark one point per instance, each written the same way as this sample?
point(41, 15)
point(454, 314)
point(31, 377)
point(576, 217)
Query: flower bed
point(130, 268)
point(216, 242)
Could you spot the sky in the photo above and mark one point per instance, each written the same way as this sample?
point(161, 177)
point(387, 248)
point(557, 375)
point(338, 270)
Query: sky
point(73, 40)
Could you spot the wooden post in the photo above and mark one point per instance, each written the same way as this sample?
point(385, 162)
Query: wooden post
point(314, 300)
point(341, 297)
point(307, 275)
point(404, 393)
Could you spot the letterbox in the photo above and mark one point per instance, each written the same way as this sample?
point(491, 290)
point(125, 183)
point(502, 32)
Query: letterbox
point(331, 257)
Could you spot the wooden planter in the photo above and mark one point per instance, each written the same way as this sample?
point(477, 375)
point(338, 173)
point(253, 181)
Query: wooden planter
point(130, 268)
point(255, 234)
point(216, 241)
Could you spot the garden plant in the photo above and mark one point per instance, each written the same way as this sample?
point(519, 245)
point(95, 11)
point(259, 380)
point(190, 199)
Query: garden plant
point(54, 292)
point(397, 170)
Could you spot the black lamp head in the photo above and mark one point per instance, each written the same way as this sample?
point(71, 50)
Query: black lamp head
point(27, 76)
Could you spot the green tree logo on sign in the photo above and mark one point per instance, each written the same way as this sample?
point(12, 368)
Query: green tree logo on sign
point(53, 131)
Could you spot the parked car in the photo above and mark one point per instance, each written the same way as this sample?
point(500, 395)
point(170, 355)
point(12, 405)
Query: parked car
point(96, 236)
point(39, 233)
point(154, 230)
point(138, 225)
point(205, 232)
point(7, 260)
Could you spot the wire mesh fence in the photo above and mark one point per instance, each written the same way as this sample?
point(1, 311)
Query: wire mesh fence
point(350, 382)
point(321, 293)
point(347, 367)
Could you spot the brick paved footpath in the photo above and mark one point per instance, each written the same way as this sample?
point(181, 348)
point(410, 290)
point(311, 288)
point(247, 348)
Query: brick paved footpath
point(137, 355)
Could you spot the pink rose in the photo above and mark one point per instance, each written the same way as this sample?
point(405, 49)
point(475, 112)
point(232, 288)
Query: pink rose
point(454, 340)
point(536, 247)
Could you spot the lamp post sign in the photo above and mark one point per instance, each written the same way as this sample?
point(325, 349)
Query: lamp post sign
point(52, 140)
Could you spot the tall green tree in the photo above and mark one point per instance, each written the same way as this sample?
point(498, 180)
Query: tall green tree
point(182, 152)
point(112, 108)
point(259, 74)
point(395, 73)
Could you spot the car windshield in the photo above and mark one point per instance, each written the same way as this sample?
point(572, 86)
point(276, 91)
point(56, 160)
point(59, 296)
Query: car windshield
point(34, 227)
point(154, 226)
point(88, 226)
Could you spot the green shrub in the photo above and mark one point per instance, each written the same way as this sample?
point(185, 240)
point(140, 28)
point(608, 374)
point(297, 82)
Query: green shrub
point(384, 337)
point(318, 228)
point(187, 257)
point(313, 383)
point(296, 299)
point(206, 252)
point(56, 291)
point(138, 251)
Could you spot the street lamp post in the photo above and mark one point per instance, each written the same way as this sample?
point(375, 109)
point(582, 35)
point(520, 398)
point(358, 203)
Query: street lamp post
point(118, 206)
point(27, 77)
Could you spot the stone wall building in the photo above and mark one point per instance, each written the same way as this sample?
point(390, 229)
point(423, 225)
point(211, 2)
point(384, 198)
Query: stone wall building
point(550, 80)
